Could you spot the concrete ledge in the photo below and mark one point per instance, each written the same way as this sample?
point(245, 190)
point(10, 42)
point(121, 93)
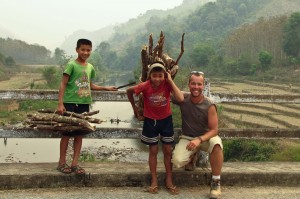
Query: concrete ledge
point(117, 174)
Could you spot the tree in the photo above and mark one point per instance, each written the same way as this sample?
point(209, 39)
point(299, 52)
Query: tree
point(9, 61)
point(291, 35)
point(60, 57)
point(243, 65)
point(201, 54)
point(51, 76)
point(265, 59)
point(1, 59)
point(108, 56)
point(96, 60)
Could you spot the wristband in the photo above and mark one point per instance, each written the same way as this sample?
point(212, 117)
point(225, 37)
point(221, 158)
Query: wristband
point(200, 138)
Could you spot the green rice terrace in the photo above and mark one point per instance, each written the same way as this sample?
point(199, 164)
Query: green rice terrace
point(257, 115)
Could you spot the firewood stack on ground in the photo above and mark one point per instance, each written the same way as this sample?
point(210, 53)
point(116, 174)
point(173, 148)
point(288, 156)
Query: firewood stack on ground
point(68, 122)
point(150, 55)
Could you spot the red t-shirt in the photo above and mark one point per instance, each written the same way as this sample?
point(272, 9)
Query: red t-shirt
point(156, 101)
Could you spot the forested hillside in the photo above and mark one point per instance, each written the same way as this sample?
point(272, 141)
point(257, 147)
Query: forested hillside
point(238, 37)
point(15, 51)
point(222, 37)
point(97, 37)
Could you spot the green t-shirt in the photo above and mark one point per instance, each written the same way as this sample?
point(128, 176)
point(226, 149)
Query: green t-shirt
point(78, 89)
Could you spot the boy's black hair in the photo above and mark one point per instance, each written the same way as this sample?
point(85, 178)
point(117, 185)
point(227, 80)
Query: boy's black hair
point(83, 42)
point(157, 69)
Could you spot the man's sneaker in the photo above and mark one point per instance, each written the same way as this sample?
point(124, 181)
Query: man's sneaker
point(215, 189)
point(192, 164)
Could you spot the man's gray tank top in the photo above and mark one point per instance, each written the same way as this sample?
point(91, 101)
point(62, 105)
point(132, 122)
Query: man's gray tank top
point(195, 116)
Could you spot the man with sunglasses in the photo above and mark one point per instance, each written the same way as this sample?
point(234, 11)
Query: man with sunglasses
point(199, 131)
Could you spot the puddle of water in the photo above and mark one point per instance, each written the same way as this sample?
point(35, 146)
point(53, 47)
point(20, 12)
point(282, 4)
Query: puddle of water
point(115, 110)
point(33, 150)
point(37, 150)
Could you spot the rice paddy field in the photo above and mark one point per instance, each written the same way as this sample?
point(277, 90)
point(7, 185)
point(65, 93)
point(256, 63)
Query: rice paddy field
point(21, 81)
point(257, 115)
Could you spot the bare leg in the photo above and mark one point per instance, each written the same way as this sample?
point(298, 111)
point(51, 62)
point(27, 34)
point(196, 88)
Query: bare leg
point(63, 149)
point(167, 150)
point(77, 149)
point(216, 160)
point(153, 150)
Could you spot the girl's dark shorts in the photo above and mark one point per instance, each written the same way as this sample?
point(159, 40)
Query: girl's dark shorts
point(76, 108)
point(153, 130)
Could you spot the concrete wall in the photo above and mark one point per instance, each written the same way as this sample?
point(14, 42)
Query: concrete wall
point(21, 94)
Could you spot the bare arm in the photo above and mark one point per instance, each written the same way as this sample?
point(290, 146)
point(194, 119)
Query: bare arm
point(177, 94)
point(61, 108)
point(130, 93)
point(212, 124)
point(212, 132)
point(102, 88)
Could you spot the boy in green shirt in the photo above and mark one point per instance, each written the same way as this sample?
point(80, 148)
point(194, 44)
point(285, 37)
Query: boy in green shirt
point(75, 96)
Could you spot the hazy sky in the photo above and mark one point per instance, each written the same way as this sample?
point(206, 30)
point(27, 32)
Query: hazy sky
point(48, 22)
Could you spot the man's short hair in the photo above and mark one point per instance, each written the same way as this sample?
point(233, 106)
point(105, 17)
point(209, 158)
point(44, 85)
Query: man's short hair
point(196, 73)
point(83, 42)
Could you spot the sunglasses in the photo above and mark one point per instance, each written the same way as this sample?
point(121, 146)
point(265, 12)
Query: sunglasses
point(196, 73)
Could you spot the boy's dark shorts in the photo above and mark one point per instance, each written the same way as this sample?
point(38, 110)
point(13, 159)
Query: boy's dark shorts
point(76, 108)
point(153, 130)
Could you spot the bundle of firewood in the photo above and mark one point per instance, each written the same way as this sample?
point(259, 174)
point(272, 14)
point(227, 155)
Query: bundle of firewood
point(150, 55)
point(68, 122)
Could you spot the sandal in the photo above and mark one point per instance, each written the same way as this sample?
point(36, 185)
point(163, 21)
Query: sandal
point(64, 168)
point(152, 189)
point(173, 190)
point(77, 169)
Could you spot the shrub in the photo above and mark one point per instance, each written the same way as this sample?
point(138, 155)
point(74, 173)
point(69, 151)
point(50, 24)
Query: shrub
point(248, 150)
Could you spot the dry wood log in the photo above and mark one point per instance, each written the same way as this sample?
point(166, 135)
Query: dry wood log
point(91, 113)
point(140, 105)
point(63, 128)
point(168, 61)
point(67, 113)
point(150, 45)
point(182, 50)
point(67, 120)
point(83, 116)
point(145, 63)
point(160, 45)
point(49, 123)
point(94, 120)
point(77, 115)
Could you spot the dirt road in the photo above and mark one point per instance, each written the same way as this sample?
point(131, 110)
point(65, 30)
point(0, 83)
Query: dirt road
point(137, 193)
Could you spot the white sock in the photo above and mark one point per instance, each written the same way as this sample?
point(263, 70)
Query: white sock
point(216, 178)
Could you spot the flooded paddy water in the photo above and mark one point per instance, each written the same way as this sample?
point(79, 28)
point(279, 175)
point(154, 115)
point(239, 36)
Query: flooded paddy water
point(36, 150)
